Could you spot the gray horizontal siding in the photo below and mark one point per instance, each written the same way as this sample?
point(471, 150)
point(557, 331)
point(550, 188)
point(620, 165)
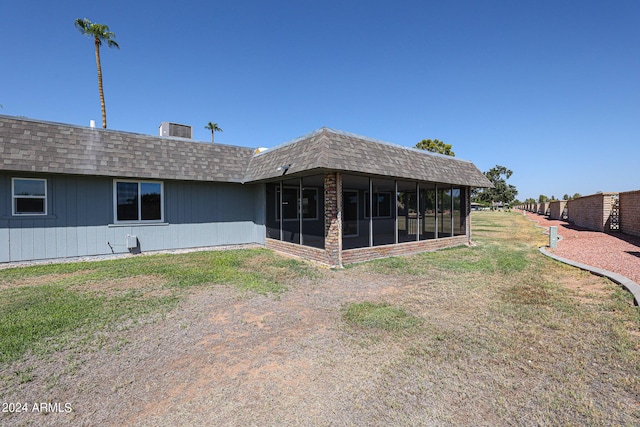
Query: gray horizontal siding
point(80, 220)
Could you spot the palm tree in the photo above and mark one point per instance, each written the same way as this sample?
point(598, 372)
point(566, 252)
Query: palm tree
point(213, 127)
point(100, 33)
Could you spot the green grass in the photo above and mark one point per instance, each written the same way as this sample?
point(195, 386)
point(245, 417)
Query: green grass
point(493, 334)
point(72, 300)
point(503, 325)
point(379, 316)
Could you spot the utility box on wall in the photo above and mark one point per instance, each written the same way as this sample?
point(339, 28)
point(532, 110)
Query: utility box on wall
point(131, 241)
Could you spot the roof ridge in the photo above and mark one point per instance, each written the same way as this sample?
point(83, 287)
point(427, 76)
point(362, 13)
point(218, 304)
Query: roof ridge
point(122, 132)
point(358, 136)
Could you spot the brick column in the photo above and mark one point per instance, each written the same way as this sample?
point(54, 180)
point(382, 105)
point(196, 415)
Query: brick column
point(333, 218)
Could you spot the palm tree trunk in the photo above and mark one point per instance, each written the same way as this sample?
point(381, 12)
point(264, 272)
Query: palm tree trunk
point(102, 104)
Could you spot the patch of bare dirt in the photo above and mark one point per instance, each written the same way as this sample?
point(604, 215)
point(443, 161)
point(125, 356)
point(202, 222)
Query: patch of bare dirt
point(589, 288)
point(224, 357)
point(41, 280)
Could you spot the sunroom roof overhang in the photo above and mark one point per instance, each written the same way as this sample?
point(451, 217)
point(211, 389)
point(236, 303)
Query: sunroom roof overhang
point(322, 171)
point(332, 151)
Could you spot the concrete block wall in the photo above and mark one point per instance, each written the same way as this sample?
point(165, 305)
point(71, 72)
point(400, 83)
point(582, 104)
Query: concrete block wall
point(592, 212)
point(630, 212)
point(556, 207)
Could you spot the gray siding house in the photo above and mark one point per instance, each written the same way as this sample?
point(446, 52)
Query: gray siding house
point(334, 197)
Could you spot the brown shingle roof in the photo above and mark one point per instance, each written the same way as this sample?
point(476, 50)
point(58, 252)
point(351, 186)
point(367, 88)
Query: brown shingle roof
point(36, 146)
point(335, 150)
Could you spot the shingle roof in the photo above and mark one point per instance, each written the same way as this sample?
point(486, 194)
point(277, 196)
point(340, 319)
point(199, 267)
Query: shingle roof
point(36, 146)
point(336, 150)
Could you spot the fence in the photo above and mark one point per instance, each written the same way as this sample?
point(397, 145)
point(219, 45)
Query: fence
point(629, 207)
point(604, 212)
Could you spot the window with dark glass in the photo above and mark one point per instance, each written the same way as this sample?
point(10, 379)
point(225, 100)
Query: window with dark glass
point(381, 204)
point(138, 201)
point(291, 203)
point(29, 196)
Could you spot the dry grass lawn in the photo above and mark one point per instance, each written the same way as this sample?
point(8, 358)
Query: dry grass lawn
point(494, 334)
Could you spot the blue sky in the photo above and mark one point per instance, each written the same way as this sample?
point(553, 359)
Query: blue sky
point(549, 89)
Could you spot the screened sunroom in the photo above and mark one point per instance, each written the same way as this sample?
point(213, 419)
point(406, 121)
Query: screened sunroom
point(340, 198)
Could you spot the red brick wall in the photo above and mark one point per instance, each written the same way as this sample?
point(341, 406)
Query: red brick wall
point(555, 209)
point(365, 254)
point(630, 212)
point(591, 212)
point(306, 252)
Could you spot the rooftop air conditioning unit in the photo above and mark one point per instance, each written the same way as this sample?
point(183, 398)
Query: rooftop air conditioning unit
point(174, 129)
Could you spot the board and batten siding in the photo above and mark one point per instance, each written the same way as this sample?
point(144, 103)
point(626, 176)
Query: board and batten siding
point(80, 222)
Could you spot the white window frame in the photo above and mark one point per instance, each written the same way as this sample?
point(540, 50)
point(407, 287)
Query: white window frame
point(139, 220)
point(15, 196)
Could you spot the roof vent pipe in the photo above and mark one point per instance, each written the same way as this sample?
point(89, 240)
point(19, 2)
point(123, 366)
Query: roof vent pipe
point(92, 123)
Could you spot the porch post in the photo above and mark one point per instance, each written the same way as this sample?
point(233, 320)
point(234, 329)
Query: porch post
point(435, 235)
point(467, 212)
point(280, 209)
point(395, 215)
point(333, 218)
point(451, 208)
point(370, 212)
point(300, 210)
point(417, 212)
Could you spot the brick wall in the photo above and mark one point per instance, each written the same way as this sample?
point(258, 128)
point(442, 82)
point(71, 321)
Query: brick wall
point(332, 221)
point(630, 212)
point(364, 254)
point(542, 207)
point(591, 212)
point(302, 251)
point(556, 207)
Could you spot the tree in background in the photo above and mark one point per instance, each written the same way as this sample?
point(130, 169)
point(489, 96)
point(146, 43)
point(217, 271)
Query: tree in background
point(502, 191)
point(213, 127)
point(435, 146)
point(542, 199)
point(99, 33)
